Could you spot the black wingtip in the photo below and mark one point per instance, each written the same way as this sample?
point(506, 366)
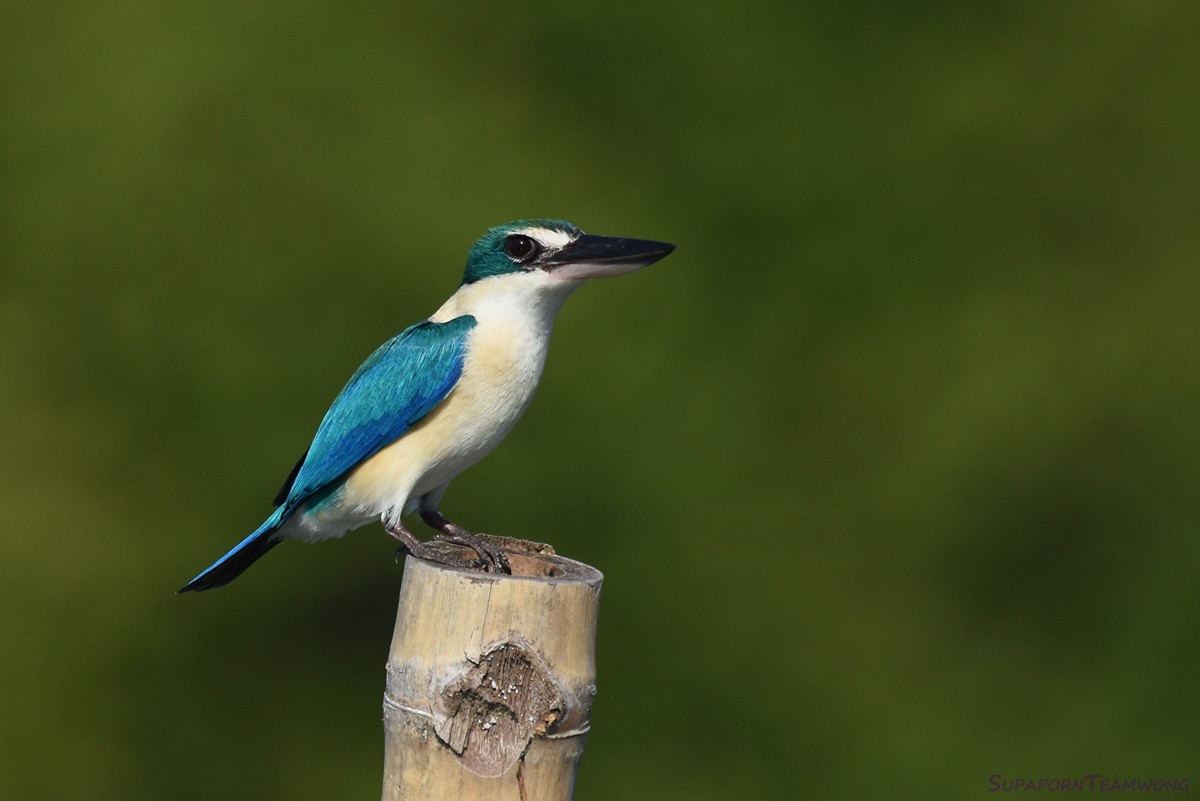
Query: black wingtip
point(282, 496)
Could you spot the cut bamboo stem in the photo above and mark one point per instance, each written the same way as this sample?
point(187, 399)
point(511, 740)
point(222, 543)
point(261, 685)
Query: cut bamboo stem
point(490, 679)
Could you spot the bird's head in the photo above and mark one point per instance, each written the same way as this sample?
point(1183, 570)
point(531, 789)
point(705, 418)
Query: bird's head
point(557, 250)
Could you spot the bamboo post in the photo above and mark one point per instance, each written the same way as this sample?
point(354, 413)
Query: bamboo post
point(490, 679)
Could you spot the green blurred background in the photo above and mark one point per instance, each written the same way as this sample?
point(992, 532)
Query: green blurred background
point(891, 468)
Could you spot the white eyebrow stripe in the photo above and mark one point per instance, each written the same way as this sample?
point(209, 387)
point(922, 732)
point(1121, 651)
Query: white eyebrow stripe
point(549, 238)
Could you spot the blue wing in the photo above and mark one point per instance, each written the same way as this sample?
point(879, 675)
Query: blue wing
point(398, 384)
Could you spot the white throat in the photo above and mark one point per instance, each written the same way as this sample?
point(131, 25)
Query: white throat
point(529, 299)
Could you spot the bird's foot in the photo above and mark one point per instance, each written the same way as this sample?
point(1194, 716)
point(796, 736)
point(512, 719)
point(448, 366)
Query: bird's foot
point(516, 545)
point(489, 551)
point(442, 553)
point(491, 558)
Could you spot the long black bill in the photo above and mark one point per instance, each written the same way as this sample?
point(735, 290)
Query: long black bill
point(592, 256)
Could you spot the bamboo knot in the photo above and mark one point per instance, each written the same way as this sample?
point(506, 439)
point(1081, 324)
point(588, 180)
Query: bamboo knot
point(489, 713)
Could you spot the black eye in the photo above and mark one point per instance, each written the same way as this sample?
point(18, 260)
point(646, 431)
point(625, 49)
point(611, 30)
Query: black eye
point(520, 248)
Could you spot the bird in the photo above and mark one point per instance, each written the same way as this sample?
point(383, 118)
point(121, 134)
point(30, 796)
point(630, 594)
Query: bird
point(438, 397)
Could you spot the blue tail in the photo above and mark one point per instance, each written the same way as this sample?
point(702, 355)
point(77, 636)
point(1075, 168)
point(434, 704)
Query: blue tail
point(244, 554)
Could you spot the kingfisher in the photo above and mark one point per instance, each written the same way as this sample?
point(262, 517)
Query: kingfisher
point(438, 397)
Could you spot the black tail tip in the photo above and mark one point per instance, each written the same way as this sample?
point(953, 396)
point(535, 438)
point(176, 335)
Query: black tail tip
point(195, 585)
point(210, 580)
point(230, 566)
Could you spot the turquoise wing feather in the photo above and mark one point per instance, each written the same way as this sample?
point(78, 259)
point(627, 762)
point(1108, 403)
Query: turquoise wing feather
point(398, 384)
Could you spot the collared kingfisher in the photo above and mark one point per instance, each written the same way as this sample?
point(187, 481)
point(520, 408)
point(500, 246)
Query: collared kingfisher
point(439, 396)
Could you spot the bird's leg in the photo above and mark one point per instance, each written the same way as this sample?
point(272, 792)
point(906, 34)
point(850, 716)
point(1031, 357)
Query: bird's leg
point(409, 544)
point(492, 556)
point(408, 541)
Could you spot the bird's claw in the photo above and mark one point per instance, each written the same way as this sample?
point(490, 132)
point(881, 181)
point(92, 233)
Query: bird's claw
point(490, 559)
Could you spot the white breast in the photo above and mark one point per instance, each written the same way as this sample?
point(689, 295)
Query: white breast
point(506, 352)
